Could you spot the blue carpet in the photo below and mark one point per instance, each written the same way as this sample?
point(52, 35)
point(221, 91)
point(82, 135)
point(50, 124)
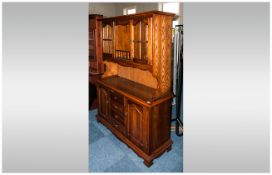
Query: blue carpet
point(109, 154)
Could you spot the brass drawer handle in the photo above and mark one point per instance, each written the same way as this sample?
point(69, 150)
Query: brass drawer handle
point(116, 116)
point(116, 126)
point(116, 107)
point(115, 98)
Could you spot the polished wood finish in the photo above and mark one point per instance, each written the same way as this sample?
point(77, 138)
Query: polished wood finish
point(103, 102)
point(129, 111)
point(135, 91)
point(143, 41)
point(132, 74)
point(135, 128)
point(95, 47)
point(96, 67)
point(111, 69)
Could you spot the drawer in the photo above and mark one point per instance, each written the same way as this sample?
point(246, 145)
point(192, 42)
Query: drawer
point(117, 125)
point(116, 97)
point(116, 106)
point(117, 117)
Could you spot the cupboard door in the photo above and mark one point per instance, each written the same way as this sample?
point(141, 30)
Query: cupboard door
point(103, 103)
point(135, 123)
point(141, 35)
point(107, 40)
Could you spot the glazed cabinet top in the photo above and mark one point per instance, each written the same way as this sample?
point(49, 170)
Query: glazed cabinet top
point(129, 39)
point(141, 41)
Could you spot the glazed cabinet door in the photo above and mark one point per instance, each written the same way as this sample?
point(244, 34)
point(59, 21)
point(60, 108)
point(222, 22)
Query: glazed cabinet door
point(107, 39)
point(135, 124)
point(103, 103)
point(142, 31)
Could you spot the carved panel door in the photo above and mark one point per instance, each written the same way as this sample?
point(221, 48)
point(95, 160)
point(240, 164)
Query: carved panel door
point(103, 102)
point(135, 123)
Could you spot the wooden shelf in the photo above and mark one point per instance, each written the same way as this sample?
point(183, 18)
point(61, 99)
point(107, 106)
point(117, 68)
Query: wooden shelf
point(129, 63)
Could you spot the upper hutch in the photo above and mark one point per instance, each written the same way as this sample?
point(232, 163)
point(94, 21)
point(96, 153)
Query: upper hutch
point(135, 90)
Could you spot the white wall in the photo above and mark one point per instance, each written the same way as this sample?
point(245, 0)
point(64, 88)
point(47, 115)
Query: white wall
point(106, 9)
point(140, 7)
point(180, 13)
point(116, 9)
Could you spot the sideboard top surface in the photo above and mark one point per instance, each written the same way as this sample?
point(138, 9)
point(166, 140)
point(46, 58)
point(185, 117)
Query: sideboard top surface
point(129, 87)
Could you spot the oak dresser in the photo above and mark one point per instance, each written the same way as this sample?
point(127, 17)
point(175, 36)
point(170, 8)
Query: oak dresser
point(134, 93)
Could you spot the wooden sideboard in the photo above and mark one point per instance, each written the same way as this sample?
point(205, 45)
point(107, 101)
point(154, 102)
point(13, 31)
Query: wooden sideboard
point(135, 92)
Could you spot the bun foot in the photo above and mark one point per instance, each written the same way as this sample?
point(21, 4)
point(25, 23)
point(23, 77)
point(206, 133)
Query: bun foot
point(169, 148)
point(147, 163)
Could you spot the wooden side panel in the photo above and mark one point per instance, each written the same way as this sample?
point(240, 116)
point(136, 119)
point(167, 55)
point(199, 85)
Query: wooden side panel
point(156, 45)
point(162, 48)
point(160, 123)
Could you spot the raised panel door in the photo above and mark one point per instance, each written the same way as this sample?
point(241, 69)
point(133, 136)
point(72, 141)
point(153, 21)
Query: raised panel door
point(135, 123)
point(103, 103)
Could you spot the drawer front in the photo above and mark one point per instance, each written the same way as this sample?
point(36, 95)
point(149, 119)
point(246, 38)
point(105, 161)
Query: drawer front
point(117, 125)
point(117, 107)
point(116, 97)
point(117, 117)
